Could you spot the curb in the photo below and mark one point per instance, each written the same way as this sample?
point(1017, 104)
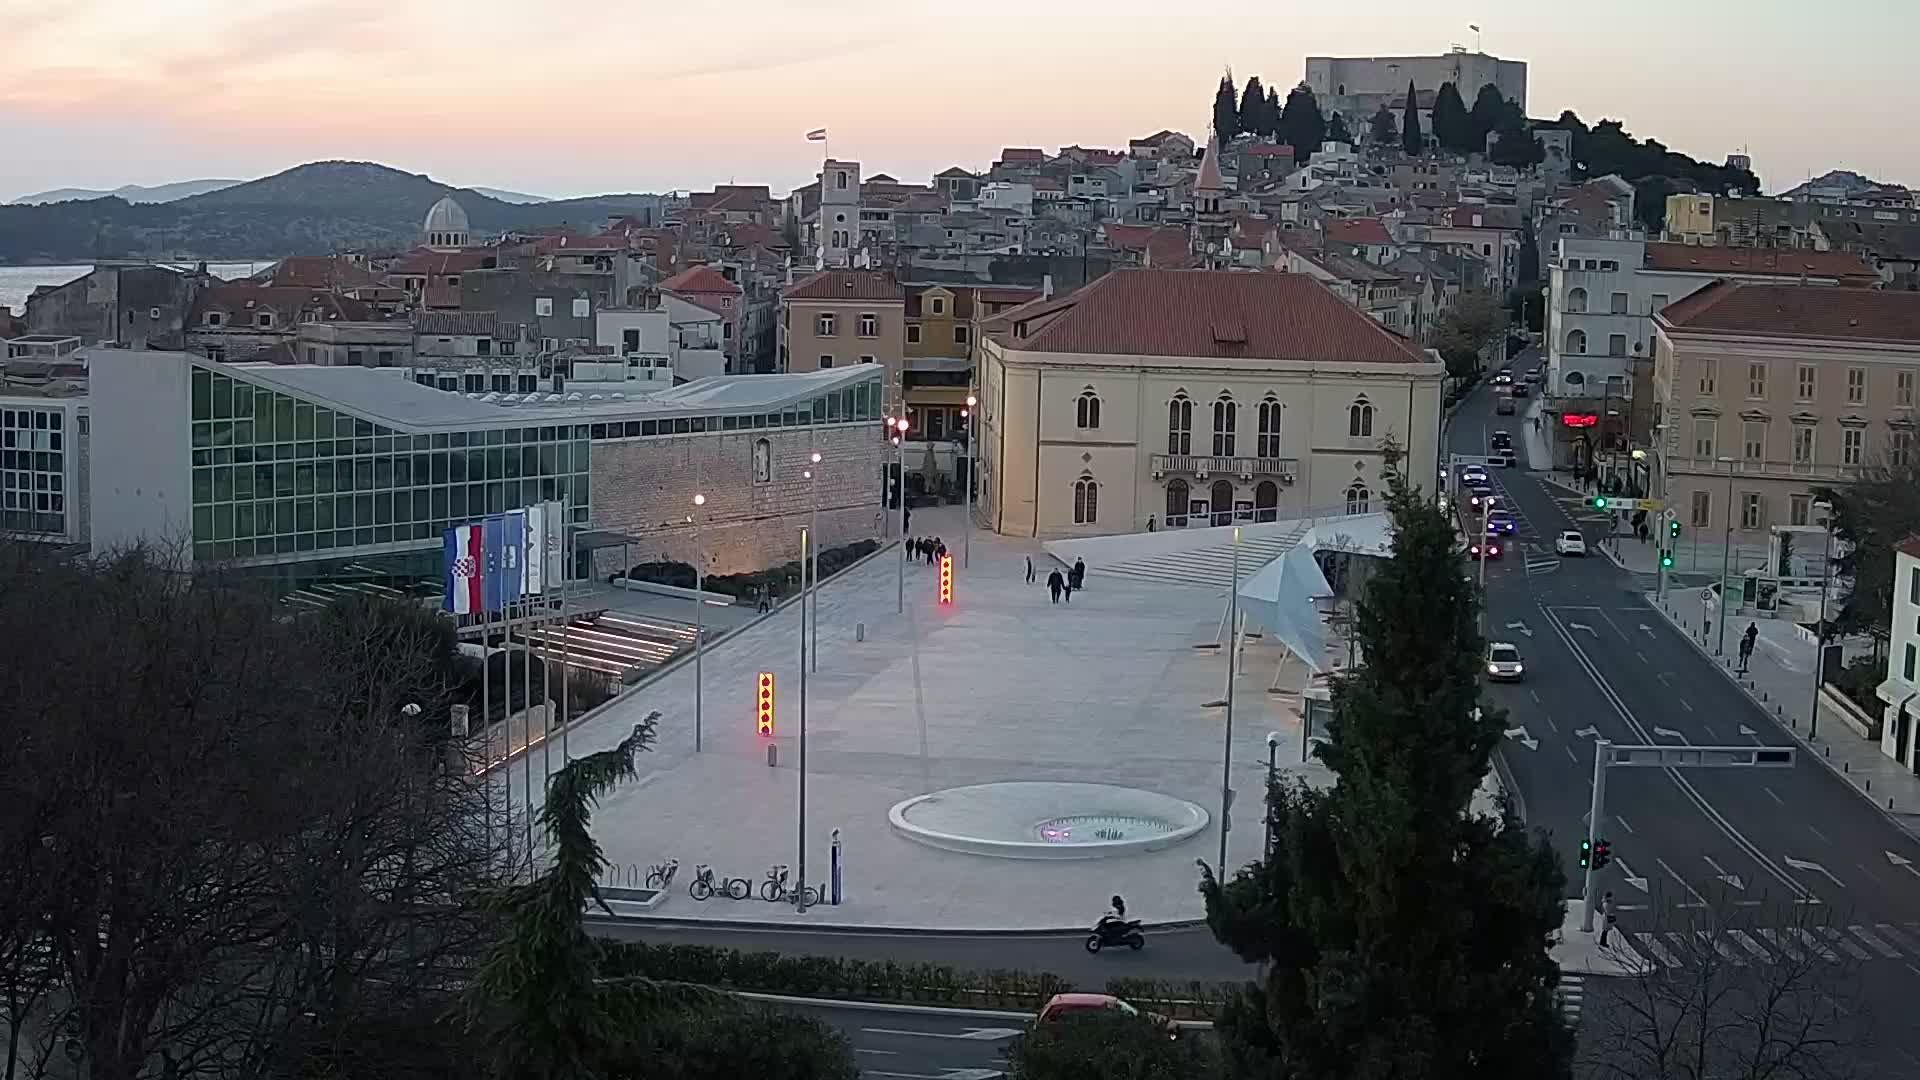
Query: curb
point(916, 1010)
point(1793, 731)
point(859, 930)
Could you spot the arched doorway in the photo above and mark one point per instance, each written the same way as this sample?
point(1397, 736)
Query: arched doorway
point(1266, 501)
point(1222, 499)
point(1176, 504)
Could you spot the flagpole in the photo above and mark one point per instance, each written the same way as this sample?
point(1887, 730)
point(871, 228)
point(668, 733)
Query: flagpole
point(526, 712)
point(566, 630)
point(800, 883)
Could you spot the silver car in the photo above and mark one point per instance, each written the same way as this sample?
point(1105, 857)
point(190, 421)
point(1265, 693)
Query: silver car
point(1503, 663)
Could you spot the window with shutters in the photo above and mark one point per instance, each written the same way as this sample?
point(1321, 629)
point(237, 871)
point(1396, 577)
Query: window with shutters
point(1700, 513)
point(1754, 441)
point(1180, 425)
point(1703, 438)
point(1856, 385)
point(1804, 382)
point(1803, 444)
point(1269, 441)
point(1708, 370)
point(1852, 446)
point(1752, 509)
point(1903, 388)
point(823, 324)
point(1226, 419)
point(1757, 380)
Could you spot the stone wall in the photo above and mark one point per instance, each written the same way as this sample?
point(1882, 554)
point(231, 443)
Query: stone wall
point(645, 488)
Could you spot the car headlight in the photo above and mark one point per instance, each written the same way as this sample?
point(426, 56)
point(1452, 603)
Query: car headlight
point(1493, 669)
point(1519, 669)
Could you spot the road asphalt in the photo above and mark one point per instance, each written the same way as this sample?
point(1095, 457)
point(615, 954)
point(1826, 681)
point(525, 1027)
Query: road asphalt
point(1752, 846)
point(918, 1046)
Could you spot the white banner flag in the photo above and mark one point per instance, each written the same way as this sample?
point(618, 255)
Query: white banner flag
point(556, 542)
point(535, 561)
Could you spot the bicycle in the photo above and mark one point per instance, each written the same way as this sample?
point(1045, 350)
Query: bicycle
point(705, 888)
point(774, 890)
point(660, 875)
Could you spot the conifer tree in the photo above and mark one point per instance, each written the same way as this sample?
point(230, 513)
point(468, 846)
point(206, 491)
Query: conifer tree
point(1402, 934)
point(1411, 138)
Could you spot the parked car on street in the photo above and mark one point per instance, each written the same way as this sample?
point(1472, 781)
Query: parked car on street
point(1570, 542)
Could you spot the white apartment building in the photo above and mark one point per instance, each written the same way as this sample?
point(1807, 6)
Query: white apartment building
point(1901, 689)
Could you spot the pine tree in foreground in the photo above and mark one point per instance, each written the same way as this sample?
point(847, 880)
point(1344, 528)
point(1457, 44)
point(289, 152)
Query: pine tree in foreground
point(1404, 936)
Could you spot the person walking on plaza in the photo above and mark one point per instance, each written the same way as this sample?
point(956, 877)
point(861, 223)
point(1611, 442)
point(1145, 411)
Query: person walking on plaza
point(939, 550)
point(1029, 569)
point(1607, 918)
point(1078, 576)
point(765, 596)
point(1055, 583)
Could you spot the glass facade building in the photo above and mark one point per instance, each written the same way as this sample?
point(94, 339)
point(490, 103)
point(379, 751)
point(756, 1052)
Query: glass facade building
point(277, 476)
point(35, 468)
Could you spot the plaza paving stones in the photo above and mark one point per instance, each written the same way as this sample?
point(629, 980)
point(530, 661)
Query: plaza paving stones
point(1001, 686)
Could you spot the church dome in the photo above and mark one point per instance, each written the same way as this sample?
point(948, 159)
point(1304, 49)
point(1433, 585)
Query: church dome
point(446, 216)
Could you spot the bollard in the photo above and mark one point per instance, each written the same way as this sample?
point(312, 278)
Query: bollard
point(1889, 802)
point(860, 631)
point(1869, 785)
point(1846, 767)
point(773, 755)
point(836, 866)
point(1826, 751)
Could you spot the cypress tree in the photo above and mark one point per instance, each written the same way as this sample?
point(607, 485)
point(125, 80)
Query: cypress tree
point(1253, 108)
point(1488, 108)
point(1301, 125)
point(1403, 935)
point(1411, 139)
point(1226, 109)
point(1337, 130)
point(1451, 127)
point(1271, 112)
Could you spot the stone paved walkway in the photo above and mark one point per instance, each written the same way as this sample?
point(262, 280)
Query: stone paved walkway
point(1003, 685)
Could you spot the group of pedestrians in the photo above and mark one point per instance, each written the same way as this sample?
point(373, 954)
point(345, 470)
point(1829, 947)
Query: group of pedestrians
point(1060, 585)
point(930, 548)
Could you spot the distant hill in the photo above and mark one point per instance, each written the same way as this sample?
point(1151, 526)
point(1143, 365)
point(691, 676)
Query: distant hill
point(309, 209)
point(133, 193)
point(1845, 180)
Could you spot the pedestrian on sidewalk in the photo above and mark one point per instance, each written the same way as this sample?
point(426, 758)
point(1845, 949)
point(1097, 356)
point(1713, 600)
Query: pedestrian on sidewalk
point(1607, 917)
point(1055, 583)
point(1029, 569)
point(1077, 577)
point(764, 606)
point(939, 550)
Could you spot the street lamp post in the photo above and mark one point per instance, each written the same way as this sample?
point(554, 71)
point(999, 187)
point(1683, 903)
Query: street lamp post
point(1820, 635)
point(1726, 561)
point(800, 860)
point(1486, 533)
point(699, 615)
point(1233, 664)
point(966, 541)
point(899, 424)
point(812, 604)
point(1273, 747)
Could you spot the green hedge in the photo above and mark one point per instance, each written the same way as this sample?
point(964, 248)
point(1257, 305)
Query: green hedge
point(886, 980)
point(785, 578)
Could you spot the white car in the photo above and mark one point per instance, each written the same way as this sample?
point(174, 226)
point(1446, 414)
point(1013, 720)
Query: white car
point(1571, 542)
point(1503, 663)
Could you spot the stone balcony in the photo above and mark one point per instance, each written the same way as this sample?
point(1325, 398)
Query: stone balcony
point(1202, 467)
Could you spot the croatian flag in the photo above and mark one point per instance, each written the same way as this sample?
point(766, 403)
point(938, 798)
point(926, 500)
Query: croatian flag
point(463, 570)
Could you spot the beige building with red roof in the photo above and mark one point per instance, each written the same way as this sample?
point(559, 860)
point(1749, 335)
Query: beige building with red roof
point(840, 318)
point(1766, 391)
point(1195, 397)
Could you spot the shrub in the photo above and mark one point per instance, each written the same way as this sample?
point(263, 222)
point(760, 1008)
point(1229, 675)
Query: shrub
point(1094, 1045)
point(887, 980)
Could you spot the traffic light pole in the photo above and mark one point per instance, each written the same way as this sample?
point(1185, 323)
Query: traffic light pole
point(1607, 754)
point(1594, 818)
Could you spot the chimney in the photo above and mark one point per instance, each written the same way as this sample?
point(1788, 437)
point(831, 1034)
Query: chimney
point(1046, 287)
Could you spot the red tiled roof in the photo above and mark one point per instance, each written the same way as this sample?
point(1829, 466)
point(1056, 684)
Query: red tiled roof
point(700, 279)
point(1909, 546)
point(846, 285)
point(456, 323)
point(1016, 153)
point(1821, 312)
point(1787, 262)
point(442, 297)
point(317, 272)
point(1160, 243)
point(288, 299)
point(1222, 314)
point(1154, 139)
point(1357, 231)
point(437, 263)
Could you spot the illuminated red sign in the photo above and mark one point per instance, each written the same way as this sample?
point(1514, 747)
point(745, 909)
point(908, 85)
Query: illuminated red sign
point(946, 579)
point(1580, 419)
point(763, 710)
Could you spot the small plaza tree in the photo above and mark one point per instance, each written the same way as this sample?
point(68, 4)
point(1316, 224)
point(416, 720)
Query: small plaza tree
point(1402, 935)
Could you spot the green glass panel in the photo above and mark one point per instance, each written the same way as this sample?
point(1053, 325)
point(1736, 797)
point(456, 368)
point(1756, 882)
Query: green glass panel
point(303, 515)
point(303, 420)
point(496, 463)
point(223, 522)
point(283, 480)
point(242, 400)
point(222, 396)
point(283, 411)
point(324, 538)
point(456, 504)
point(383, 474)
point(222, 484)
point(363, 511)
point(323, 514)
point(221, 456)
point(363, 474)
point(263, 481)
point(243, 482)
point(203, 523)
point(303, 482)
point(202, 433)
point(437, 513)
point(202, 394)
point(202, 486)
point(323, 423)
point(343, 511)
point(303, 542)
point(243, 520)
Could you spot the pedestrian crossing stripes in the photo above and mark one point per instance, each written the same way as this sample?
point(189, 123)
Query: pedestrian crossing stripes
point(1761, 945)
point(1572, 995)
point(1542, 564)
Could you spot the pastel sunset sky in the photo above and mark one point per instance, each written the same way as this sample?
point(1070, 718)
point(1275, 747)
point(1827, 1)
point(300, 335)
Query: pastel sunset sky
point(567, 97)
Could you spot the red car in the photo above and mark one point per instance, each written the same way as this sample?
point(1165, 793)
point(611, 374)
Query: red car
point(1060, 1005)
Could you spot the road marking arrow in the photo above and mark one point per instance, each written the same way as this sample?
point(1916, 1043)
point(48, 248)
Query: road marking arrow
point(1588, 732)
point(1669, 733)
point(1721, 873)
point(1802, 864)
point(1520, 626)
point(1648, 629)
point(1903, 863)
point(1747, 731)
point(1627, 872)
point(1583, 626)
point(970, 1035)
point(1526, 740)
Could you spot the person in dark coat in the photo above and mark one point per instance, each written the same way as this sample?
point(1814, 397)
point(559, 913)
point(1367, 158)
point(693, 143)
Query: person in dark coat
point(1029, 569)
point(1078, 579)
point(1056, 583)
point(939, 550)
